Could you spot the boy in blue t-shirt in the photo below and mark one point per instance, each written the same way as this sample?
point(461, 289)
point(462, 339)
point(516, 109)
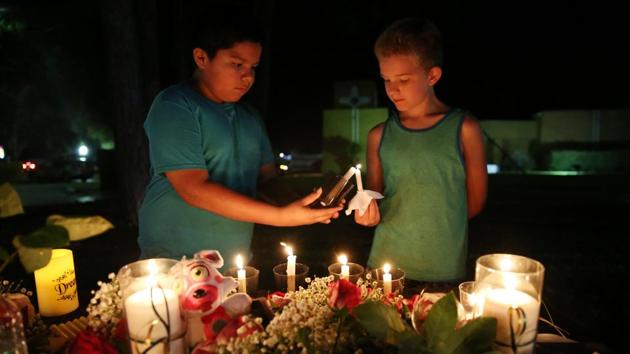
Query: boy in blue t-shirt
point(207, 153)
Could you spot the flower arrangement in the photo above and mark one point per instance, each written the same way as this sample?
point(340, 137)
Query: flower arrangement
point(327, 316)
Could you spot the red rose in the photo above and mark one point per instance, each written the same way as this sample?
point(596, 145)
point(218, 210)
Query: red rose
point(344, 294)
point(88, 342)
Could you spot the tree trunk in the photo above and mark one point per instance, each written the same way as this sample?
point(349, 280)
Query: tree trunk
point(129, 30)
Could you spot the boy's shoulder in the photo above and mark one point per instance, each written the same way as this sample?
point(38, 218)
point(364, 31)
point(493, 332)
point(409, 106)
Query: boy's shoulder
point(178, 93)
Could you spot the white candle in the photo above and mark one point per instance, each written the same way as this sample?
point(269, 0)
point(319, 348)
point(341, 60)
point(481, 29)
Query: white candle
point(290, 267)
point(144, 324)
point(242, 279)
point(387, 279)
point(345, 268)
point(497, 303)
point(358, 176)
point(351, 171)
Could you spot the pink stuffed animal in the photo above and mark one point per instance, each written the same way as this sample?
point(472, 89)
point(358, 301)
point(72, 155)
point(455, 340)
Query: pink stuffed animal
point(210, 315)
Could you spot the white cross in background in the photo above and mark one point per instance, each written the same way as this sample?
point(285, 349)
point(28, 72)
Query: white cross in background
point(354, 100)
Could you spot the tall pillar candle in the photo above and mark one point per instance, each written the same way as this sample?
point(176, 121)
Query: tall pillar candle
point(517, 318)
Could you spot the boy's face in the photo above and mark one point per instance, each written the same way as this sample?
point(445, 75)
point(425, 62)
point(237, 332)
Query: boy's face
point(230, 74)
point(407, 83)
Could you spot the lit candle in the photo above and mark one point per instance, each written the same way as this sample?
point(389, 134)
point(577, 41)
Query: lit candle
point(351, 171)
point(387, 279)
point(142, 309)
point(56, 285)
point(523, 309)
point(358, 176)
point(242, 281)
point(290, 267)
point(345, 268)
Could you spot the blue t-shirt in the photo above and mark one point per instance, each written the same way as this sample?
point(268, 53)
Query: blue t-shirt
point(188, 131)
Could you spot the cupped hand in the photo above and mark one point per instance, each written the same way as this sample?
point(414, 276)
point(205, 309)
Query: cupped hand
point(299, 212)
point(371, 217)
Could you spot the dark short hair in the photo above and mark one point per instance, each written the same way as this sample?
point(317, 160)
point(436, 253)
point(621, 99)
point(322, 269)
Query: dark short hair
point(417, 36)
point(223, 25)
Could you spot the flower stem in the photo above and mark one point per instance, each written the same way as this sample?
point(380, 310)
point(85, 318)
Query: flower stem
point(341, 318)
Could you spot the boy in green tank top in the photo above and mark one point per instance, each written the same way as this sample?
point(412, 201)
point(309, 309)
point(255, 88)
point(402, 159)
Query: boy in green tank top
point(427, 160)
point(208, 152)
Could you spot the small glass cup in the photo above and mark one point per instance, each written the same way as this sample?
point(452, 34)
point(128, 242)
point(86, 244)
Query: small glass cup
point(356, 271)
point(281, 277)
point(469, 300)
point(251, 278)
point(398, 278)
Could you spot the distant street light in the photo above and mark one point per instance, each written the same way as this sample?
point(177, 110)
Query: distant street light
point(2, 155)
point(83, 150)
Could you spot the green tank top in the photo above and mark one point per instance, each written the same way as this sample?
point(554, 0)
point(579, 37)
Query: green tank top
point(424, 215)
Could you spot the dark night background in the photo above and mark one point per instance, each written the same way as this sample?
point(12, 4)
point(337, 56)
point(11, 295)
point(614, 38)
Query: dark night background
point(87, 71)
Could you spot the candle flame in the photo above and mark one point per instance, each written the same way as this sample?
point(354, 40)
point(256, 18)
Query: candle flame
point(358, 166)
point(506, 264)
point(343, 259)
point(239, 261)
point(287, 248)
point(386, 268)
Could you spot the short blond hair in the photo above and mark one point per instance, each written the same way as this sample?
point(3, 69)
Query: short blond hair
point(416, 36)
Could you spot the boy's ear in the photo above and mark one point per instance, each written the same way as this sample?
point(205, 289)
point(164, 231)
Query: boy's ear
point(201, 57)
point(434, 75)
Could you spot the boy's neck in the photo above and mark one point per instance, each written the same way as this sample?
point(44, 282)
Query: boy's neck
point(426, 111)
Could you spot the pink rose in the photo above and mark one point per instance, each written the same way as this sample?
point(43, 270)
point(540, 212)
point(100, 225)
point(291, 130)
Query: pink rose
point(344, 294)
point(277, 299)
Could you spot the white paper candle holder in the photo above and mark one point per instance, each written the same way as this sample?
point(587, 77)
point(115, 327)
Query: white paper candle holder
point(509, 288)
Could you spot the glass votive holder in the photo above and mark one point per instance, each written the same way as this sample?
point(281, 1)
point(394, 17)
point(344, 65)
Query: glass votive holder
point(251, 278)
point(355, 270)
point(468, 300)
point(398, 278)
point(151, 306)
point(282, 279)
point(509, 288)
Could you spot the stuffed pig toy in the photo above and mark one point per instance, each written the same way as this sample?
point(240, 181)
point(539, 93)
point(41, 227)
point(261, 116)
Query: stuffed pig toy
point(211, 314)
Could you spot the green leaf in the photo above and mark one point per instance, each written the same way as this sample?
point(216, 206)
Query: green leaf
point(81, 227)
point(49, 236)
point(476, 336)
point(441, 322)
point(379, 320)
point(409, 341)
point(32, 258)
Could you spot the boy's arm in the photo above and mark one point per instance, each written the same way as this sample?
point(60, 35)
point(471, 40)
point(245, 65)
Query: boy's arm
point(372, 215)
point(475, 165)
point(195, 189)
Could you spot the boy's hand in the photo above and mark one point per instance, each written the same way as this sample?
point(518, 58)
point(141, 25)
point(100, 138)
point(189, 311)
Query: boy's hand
point(371, 217)
point(299, 212)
